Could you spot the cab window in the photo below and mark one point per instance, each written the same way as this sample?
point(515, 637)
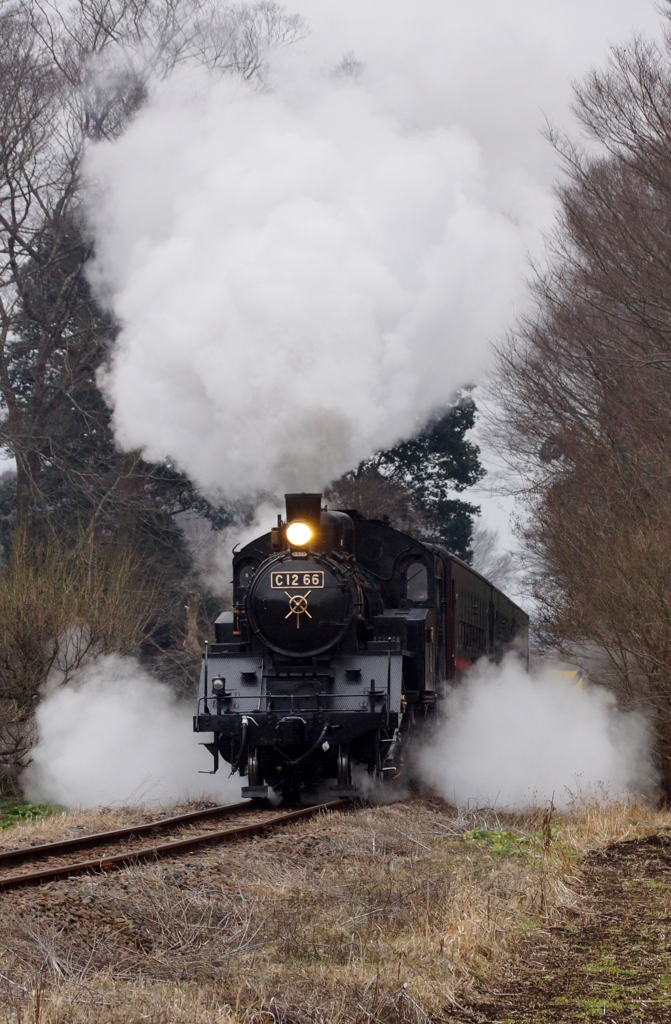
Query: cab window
point(416, 582)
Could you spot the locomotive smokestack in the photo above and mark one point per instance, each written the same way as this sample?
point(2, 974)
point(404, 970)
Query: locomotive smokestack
point(304, 507)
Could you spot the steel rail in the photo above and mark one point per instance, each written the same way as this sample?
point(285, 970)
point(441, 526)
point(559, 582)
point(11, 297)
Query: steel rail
point(120, 860)
point(98, 838)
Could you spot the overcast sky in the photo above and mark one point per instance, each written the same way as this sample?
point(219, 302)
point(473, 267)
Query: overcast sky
point(493, 67)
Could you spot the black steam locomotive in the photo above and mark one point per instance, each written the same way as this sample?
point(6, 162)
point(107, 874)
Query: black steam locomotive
point(342, 635)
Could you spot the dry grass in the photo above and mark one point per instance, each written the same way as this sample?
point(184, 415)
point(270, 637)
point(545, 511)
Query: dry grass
point(393, 913)
point(60, 824)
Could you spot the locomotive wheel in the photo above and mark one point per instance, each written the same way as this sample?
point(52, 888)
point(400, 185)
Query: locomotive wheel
point(253, 775)
point(344, 766)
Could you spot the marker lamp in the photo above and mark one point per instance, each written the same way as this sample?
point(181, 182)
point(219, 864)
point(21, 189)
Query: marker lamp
point(298, 534)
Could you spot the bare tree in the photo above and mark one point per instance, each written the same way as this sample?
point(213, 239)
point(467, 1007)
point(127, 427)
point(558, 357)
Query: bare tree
point(584, 391)
point(499, 566)
point(109, 51)
point(59, 609)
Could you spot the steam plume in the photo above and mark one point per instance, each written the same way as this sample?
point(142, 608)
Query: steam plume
point(287, 268)
point(304, 273)
point(510, 739)
point(115, 736)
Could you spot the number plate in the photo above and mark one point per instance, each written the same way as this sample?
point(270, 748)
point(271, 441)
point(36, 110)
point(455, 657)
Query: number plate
point(302, 580)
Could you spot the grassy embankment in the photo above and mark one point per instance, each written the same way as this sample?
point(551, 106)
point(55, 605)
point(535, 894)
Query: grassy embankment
point(392, 913)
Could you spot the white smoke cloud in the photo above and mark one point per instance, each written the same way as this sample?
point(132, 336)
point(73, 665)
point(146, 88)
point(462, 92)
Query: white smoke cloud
point(510, 739)
point(115, 736)
point(212, 550)
point(304, 273)
point(301, 279)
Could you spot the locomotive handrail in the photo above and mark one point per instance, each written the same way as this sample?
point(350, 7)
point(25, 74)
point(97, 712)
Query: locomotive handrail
point(364, 701)
point(386, 579)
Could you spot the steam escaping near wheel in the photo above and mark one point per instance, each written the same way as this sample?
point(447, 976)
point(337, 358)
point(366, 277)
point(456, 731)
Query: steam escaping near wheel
point(115, 736)
point(511, 739)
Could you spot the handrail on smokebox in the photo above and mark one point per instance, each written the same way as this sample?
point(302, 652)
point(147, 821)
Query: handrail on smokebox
point(366, 701)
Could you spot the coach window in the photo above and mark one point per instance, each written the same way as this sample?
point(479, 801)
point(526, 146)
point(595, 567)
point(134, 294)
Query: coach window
point(416, 582)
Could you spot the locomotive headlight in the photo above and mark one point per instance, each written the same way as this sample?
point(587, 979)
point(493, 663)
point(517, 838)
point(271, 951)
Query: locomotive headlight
point(298, 534)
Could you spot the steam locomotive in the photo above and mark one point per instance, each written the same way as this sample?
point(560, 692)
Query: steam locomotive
point(342, 636)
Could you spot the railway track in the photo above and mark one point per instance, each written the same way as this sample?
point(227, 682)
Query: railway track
point(53, 852)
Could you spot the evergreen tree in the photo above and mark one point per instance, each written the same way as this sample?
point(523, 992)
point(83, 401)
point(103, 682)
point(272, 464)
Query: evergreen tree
point(412, 482)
